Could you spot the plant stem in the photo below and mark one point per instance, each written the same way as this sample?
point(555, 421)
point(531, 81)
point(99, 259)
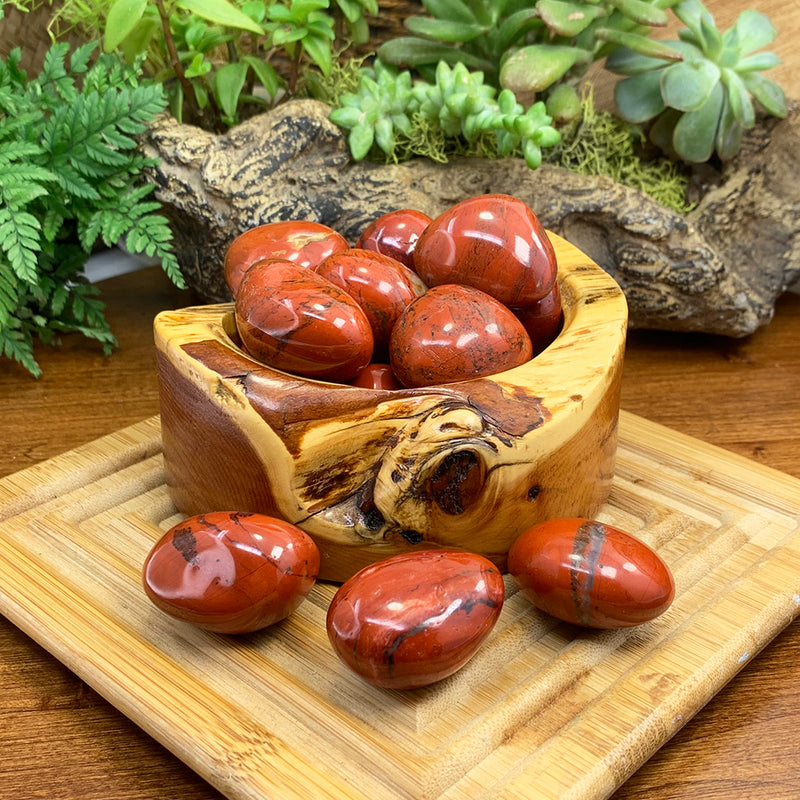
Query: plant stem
point(175, 62)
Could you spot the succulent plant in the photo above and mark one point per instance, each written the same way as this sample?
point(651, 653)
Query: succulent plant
point(457, 104)
point(703, 103)
point(527, 46)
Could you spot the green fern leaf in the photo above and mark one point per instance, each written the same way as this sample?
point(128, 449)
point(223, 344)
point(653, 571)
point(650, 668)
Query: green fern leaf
point(19, 240)
point(17, 344)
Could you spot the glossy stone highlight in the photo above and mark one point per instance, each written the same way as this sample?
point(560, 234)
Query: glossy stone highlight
point(302, 242)
point(294, 320)
point(395, 234)
point(590, 574)
point(381, 285)
point(455, 333)
point(492, 242)
point(415, 618)
point(231, 572)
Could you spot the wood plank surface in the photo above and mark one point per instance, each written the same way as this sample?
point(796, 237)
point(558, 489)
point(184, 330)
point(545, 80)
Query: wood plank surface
point(59, 738)
point(275, 714)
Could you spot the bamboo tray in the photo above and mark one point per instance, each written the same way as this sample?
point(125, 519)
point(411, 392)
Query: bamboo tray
point(544, 711)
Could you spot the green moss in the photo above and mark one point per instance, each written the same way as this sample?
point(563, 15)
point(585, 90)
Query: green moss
point(343, 78)
point(599, 143)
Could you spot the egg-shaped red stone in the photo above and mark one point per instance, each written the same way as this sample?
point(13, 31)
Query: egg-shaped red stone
point(231, 572)
point(302, 242)
point(291, 318)
point(376, 376)
point(590, 574)
point(381, 285)
point(415, 618)
point(493, 242)
point(454, 333)
point(395, 234)
point(543, 319)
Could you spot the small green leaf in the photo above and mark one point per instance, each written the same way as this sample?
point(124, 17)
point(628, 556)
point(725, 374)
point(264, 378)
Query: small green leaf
point(638, 98)
point(454, 10)
point(198, 67)
point(624, 61)
point(221, 12)
point(384, 135)
point(228, 84)
point(444, 30)
point(538, 66)
point(568, 19)
point(346, 117)
point(350, 9)
point(138, 40)
point(360, 141)
point(412, 51)
point(641, 44)
point(687, 85)
point(265, 73)
point(712, 38)
point(532, 153)
point(757, 62)
point(318, 49)
point(767, 92)
point(729, 133)
point(642, 12)
point(752, 31)
point(695, 133)
point(514, 27)
point(122, 18)
point(739, 99)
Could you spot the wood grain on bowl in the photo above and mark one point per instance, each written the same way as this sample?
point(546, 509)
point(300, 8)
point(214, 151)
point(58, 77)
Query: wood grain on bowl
point(370, 473)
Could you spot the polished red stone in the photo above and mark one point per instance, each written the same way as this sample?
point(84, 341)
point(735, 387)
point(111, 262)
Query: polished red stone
point(291, 318)
point(543, 319)
point(415, 618)
point(454, 333)
point(492, 242)
point(590, 574)
point(395, 234)
point(382, 286)
point(376, 376)
point(231, 572)
point(302, 242)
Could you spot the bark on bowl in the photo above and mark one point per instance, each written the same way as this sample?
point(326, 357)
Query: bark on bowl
point(371, 473)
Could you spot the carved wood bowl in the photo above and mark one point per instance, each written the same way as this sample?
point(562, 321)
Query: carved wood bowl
point(370, 473)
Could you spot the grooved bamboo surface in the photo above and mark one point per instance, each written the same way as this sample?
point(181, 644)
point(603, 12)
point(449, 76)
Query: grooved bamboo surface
point(543, 711)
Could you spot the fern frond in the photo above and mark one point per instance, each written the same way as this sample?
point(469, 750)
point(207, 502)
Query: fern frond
point(14, 150)
point(16, 343)
point(19, 240)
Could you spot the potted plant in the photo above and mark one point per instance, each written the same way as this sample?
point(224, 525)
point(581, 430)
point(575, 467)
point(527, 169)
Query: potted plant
point(297, 108)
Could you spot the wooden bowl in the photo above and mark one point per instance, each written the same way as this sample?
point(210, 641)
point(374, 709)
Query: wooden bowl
point(370, 473)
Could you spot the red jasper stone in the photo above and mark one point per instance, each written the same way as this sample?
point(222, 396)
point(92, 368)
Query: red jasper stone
point(455, 333)
point(395, 234)
point(294, 320)
point(376, 376)
point(302, 242)
point(493, 242)
point(415, 618)
point(231, 572)
point(543, 319)
point(590, 574)
point(382, 286)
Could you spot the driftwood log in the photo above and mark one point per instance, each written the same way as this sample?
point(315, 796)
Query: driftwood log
point(370, 473)
point(717, 270)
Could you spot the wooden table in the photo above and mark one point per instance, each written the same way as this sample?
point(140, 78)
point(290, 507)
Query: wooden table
point(58, 738)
